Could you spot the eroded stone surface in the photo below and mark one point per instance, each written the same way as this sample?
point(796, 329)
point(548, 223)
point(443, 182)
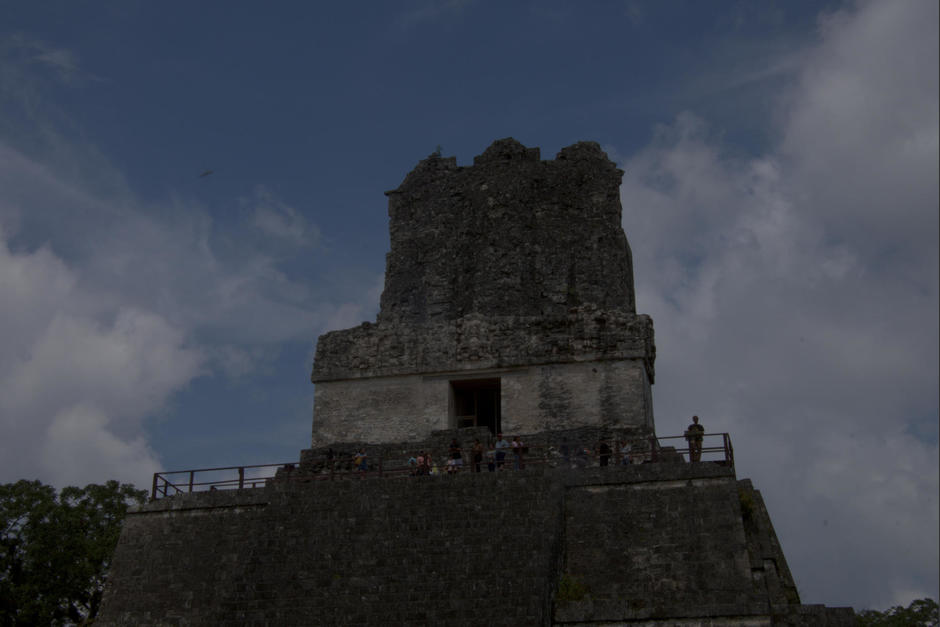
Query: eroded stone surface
point(476, 341)
point(509, 236)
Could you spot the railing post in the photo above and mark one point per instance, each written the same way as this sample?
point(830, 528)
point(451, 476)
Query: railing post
point(192, 474)
point(241, 477)
point(153, 489)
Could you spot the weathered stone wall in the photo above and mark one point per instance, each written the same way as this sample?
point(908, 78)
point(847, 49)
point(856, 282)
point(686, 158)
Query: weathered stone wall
point(383, 409)
point(461, 550)
point(565, 396)
point(652, 544)
point(533, 399)
point(510, 235)
point(477, 342)
point(512, 263)
point(683, 552)
point(695, 548)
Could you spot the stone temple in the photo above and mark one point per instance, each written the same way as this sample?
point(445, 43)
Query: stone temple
point(508, 306)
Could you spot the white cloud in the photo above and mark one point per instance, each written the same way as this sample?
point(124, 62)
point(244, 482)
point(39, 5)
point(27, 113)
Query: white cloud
point(111, 307)
point(74, 390)
point(866, 113)
point(281, 221)
point(172, 260)
point(130, 365)
point(795, 297)
point(61, 61)
point(78, 447)
point(352, 314)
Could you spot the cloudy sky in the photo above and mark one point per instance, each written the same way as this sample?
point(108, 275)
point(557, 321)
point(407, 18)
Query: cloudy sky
point(780, 196)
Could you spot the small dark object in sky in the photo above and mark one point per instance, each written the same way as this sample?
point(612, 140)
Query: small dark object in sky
point(205, 174)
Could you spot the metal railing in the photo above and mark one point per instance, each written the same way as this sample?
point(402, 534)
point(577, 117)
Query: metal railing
point(166, 484)
point(716, 448)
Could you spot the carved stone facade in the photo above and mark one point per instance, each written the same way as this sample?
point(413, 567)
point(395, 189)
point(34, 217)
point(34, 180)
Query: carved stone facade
point(508, 303)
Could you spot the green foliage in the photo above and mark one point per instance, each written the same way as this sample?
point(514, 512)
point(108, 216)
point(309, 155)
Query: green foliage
point(55, 549)
point(570, 589)
point(920, 613)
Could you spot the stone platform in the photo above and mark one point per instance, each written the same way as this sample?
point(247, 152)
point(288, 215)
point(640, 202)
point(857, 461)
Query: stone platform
point(652, 544)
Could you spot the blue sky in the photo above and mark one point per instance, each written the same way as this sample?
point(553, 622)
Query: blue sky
point(780, 197)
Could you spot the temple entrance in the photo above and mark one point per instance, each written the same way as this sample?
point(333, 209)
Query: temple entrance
point(476, 403)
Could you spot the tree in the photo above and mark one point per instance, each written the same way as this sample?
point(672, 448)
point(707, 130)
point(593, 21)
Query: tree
point(55, 550)
point(920, 613)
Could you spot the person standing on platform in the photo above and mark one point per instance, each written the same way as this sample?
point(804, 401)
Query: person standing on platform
point(456, 457)
point(694, 436)
point(501, 446)
point(518, 448)
point(477, 455)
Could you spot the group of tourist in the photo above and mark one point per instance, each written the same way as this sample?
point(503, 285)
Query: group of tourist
point(505, 452)
point(495, 458)
point(498, 458)
point(621, 452)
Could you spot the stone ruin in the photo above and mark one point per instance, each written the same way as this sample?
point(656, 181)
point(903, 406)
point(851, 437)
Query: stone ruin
point(508, 305)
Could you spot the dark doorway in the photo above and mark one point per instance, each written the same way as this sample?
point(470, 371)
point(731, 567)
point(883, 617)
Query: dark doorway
point(476, 403)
